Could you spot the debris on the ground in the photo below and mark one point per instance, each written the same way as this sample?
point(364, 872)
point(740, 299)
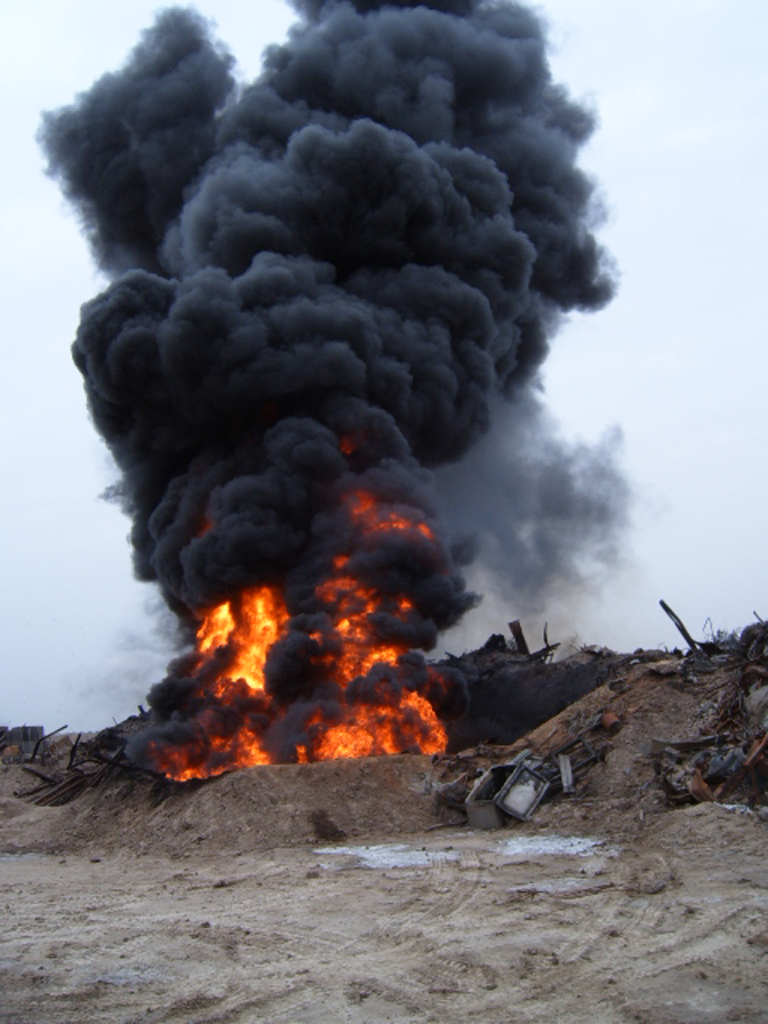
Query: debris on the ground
point(733, 760)
point(513, 689)
point(613, 736)
point(716, 771)
point(516, 788)
point(523, 791)
point(480, 805)
point(726, 761)
point(681, 628)
point(78, 764)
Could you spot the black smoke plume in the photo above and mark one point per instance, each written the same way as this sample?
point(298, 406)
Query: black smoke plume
point(321, 285)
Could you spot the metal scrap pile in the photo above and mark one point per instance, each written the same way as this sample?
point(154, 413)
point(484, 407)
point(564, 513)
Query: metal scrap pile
point(724, 757)
point(67, 771)
point(514, 788)
point(731, 763)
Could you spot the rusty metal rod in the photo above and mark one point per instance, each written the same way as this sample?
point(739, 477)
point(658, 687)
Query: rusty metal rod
point(693, 644)
point(46, 737)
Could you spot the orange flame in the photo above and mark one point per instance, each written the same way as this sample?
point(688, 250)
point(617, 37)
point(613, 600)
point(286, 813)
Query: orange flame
point(249, 634)
point(235, 638)
point(371, 517)
point(379, 730)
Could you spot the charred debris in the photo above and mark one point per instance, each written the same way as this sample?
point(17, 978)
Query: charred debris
point(726, 760)
point(535, 730)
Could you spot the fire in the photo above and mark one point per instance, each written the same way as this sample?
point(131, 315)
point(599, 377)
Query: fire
point(372, 516)
point(248, 633)
point(354, 604)
point(234, 643)
point(378, 730)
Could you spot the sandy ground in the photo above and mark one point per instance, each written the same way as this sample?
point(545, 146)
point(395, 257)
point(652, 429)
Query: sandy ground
point(670, 924)
point(318, 893)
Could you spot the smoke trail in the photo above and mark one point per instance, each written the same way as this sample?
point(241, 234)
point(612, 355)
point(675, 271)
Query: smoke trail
point(322, 283)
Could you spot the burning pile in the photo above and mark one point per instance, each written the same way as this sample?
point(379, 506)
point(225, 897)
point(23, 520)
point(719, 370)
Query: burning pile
point(320, 285)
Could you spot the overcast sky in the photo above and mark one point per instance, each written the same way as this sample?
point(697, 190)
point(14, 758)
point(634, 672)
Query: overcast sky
point(678, 361)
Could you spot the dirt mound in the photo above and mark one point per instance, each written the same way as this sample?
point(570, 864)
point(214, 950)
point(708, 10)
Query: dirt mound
point(273, 805)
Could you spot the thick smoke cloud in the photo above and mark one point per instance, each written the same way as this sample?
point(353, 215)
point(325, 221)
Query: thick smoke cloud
point(321, 285)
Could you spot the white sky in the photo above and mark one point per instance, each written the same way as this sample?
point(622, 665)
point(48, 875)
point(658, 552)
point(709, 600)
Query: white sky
point(679, 360)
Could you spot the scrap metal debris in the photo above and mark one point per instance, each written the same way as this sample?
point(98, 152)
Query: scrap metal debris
point(89, 763)
point(726, 762)
point(733, 760)
point(681, 628)
point(516, 788)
